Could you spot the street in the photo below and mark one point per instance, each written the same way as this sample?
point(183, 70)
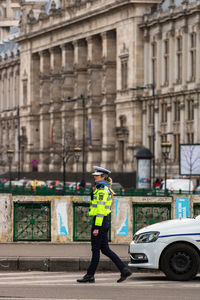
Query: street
point(60, 285)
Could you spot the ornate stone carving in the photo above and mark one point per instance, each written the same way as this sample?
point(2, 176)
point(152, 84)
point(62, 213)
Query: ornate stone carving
point(124, 52)
point(159, 33)
point(42, 12)
point(30, 17)
point(196, 103)
point(172, 30)
point(53, 7)
point(172, 4)
point(146, 35)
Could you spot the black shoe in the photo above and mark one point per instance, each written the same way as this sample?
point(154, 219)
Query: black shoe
point(86, 278)
point(124, 274)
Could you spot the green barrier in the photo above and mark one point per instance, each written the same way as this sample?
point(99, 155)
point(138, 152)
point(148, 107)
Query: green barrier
point(80, 191)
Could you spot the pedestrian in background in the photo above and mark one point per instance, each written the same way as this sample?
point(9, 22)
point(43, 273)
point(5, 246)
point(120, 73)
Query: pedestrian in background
point(100, 208)
point(157, 183)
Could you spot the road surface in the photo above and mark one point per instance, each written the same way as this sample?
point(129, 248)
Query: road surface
point(60, 285)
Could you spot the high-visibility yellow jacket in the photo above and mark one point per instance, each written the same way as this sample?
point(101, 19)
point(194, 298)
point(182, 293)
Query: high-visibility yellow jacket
point(100, 205)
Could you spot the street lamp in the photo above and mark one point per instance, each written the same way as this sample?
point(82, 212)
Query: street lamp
point(152, 87)
point(64, 169)
point(65, 157)
point(77, 153)
point(10, 153)
point(82, 98)
point(166, 147)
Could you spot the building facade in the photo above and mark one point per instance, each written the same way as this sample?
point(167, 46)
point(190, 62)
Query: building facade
point(89, 48)
point(9, 79)
point(117, 75)
point(172, 57)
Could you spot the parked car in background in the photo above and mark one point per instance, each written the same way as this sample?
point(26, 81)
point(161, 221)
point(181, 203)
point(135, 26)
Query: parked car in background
point(24, 181)
point(117, 187)
point(34, 184)
point(58, 186)
point(50, 183)
point(14, 183)
point(178, 184)
point(2, 181)
point(77, 186)
point(197, 190)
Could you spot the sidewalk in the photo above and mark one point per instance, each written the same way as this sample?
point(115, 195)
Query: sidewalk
point(41, 256)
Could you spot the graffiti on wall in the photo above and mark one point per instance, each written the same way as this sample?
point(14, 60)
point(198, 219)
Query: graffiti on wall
point(62, 219)
point(4, 214)
point(121, 216)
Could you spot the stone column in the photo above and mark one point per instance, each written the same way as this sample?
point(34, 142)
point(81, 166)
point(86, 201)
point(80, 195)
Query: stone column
point(31, 149)
point(9, 90)
point(80, 67)
point(185, 56)
point(196, 119)
point(148, 78)
point(45, 128)
point(44, 77)
point(67, 67)
point(35, 87)
point(147, 131)
point(159, 60)
point(55, 109)
point(94, 100)
point(197, 55)
point(182, 120)
point(12, 95)
point(67, 91)
point(55, 68)
point(16, 86)
point(80, 88)
point(109, 95)
point(172, 60)
point(5, 105)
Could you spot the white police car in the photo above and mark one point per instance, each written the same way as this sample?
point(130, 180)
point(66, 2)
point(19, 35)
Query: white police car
point(171, 246)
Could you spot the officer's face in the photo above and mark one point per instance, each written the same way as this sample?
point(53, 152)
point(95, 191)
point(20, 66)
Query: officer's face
point(98, 178)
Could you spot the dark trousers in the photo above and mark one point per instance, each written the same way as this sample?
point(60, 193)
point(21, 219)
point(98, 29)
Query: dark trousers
point(100, 242)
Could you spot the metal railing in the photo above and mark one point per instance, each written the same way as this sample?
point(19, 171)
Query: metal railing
point(127, 192)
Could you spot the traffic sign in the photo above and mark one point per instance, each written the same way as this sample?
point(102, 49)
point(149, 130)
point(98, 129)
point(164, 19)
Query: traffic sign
point(34, 162)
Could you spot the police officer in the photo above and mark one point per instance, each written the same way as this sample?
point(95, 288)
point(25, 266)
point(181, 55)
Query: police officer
point(100, 208)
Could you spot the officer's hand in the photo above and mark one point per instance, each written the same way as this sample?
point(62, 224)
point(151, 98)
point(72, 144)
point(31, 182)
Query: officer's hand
point(95, 232)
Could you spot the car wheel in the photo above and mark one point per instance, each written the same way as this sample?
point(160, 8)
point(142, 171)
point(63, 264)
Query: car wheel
point(180, 262)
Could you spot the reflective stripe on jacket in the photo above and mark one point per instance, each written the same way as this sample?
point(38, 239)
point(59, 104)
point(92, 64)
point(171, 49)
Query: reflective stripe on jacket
point(100, 205)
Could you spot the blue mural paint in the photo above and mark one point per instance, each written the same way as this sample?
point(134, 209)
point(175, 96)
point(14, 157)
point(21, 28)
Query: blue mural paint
point(123, 228)
point(63, 230)
point(116, 208)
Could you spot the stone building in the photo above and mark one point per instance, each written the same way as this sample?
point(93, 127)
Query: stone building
point(171, 63)
point(9, 79)
point(97, 53)
point(88, 48)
